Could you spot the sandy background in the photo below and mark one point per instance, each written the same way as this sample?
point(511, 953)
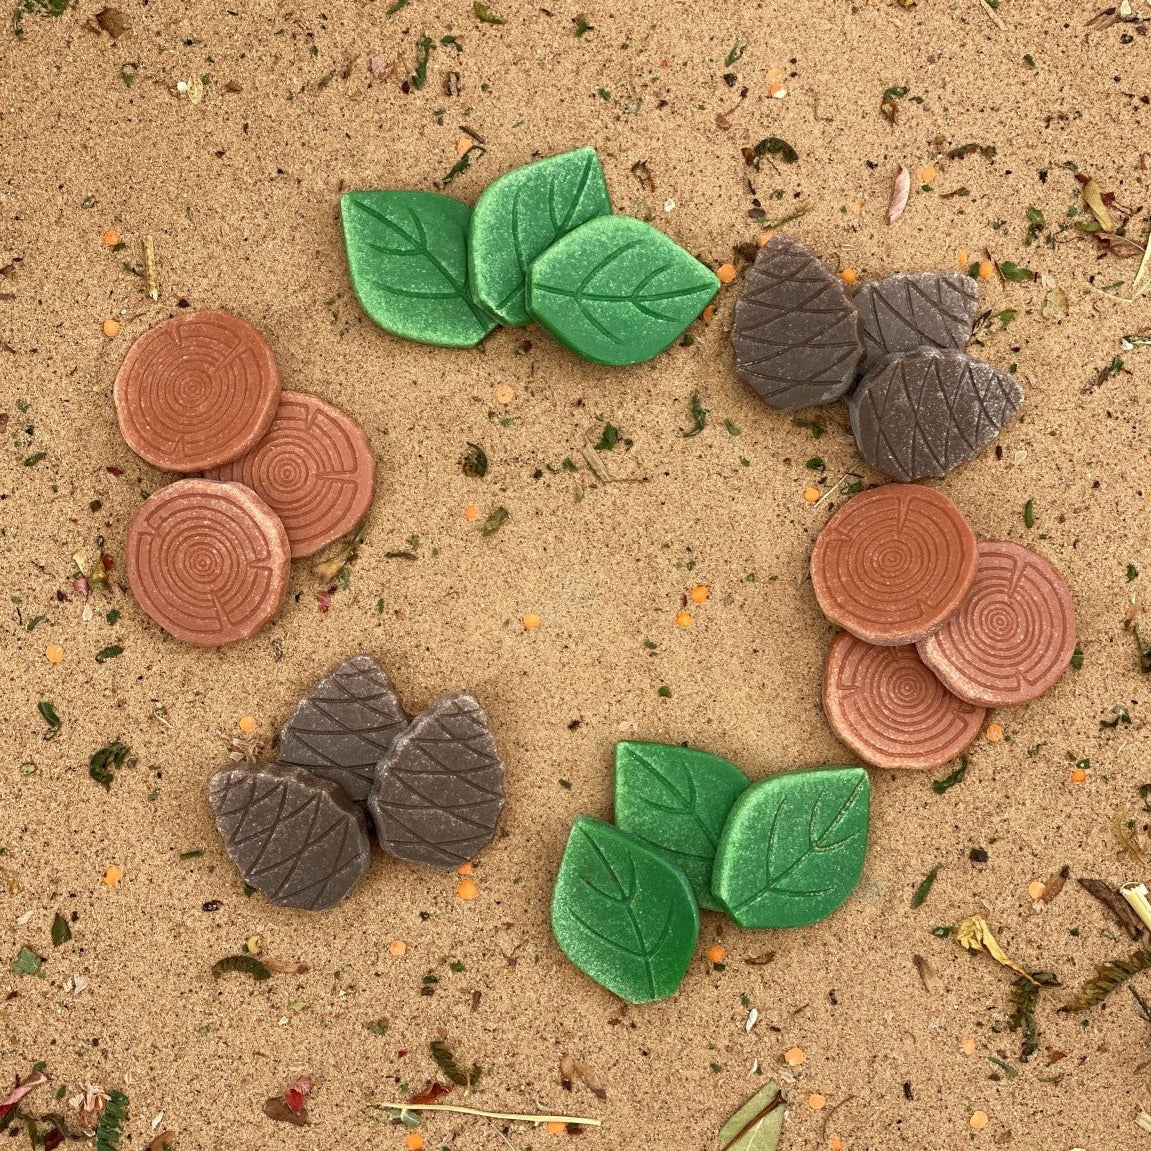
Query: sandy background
point(240, 191)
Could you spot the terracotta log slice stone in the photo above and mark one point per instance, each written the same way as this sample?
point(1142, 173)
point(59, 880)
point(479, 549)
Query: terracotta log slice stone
point(314, 469)
point(1012, 636)
point(893, 563)
point(196, 391)
point(296, 838)
point(208, 561)
point(887, 706)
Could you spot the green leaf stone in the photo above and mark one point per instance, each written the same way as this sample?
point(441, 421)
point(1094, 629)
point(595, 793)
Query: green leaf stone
point(792, 849)
point(617, 291)
point(523, 213)
point(622, 914)
point(408, 258)
point(676, 801)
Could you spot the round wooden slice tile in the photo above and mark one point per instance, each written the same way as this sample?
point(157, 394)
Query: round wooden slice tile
point(888, 707)
point(314, 468)
point(208, 561)
point(1013, 634)
point(196, 391)
point(893, 563)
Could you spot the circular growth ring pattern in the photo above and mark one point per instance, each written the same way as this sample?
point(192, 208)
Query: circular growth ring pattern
point(208, 561)
point(314, 469)
point(888, 707)
point(196, 391)
point(1012, 636)
point(893, 563)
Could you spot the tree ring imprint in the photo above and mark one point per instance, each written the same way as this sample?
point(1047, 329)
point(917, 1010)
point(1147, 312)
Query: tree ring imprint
point(893, 563)
point(196, 391)
point(1012, 636)
point(888, 707)
point(314, 468)
point(208, 561)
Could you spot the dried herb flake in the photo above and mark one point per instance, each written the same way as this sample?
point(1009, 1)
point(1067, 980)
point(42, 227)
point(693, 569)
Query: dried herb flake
point(446, 1062)
point(924, 889)
point(61, 932)
point(698, 416)
point(246, 964)
point(495, 521)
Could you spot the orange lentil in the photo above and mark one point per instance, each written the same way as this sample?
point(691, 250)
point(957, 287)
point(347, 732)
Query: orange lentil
point(777, 89)
point(994, 732)
point(464, 144)
point(555, 1127)
point(504, 393)
point(816, 1101)
point(531, 621)
point(726, 273)
point(113, 875)
point(849, 276)
point(397, 949)
point(835, 1144)
point(962, 259)
point(794, 1057)
point(708, 313)
point(811, 495)
point(467, 889)
point(111, 328)
point(927, 174)
point(765, 238)
point(1036, 888)
point(247, 724)
point(857, 206)
point(716, 953)
point(414, 1141)
point(1079, 775)
point(683, 619)
point(54, 653)
point(465, 868)
point(968, 1046)
point(471, 512)
point(986, 269)
point(700, 593)
point(978, 1120)
point(110, 238)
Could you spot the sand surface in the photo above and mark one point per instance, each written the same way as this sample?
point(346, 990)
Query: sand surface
point(238, 182)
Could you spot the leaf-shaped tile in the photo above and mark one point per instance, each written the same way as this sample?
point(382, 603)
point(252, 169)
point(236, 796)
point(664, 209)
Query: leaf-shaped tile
point(521, 214)
point(296, 838)
point(440, 790)
point(622, 914)
point(792, 850)
point(757, 1125)
point(795, 334)
point(924, 413)
point(909, 311)
point(676, 801)
point(345, 726)
point(408, 258)
point(617, 291)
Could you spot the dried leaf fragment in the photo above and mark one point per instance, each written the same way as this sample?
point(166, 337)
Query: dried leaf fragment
point(975, 934)
point(756, 1126)
point(1116, 904)
point(114, 22)
point(1093, 198)
point(900, 190)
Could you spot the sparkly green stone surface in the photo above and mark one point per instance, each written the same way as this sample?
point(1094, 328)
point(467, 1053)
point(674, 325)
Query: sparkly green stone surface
point(617, 291)
point(793, 846)
point(622, 914)
point(521, 214)
point(408, 258)
point(676, 801)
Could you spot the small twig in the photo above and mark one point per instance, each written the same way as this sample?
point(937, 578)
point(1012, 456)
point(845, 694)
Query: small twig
point(830, 1112)
point(536, 1119)
point(993, 14)
point(151, 274)
point(593, 462)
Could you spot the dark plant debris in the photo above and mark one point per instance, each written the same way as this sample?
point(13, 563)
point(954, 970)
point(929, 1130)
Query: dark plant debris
point(698, 417)
point(1024, 997)
point(1108, 977)
point(246, 964)
point(103, 764)
point(446, 1062)
point(1116, 904)
point(939, 786)
point(475, 461)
